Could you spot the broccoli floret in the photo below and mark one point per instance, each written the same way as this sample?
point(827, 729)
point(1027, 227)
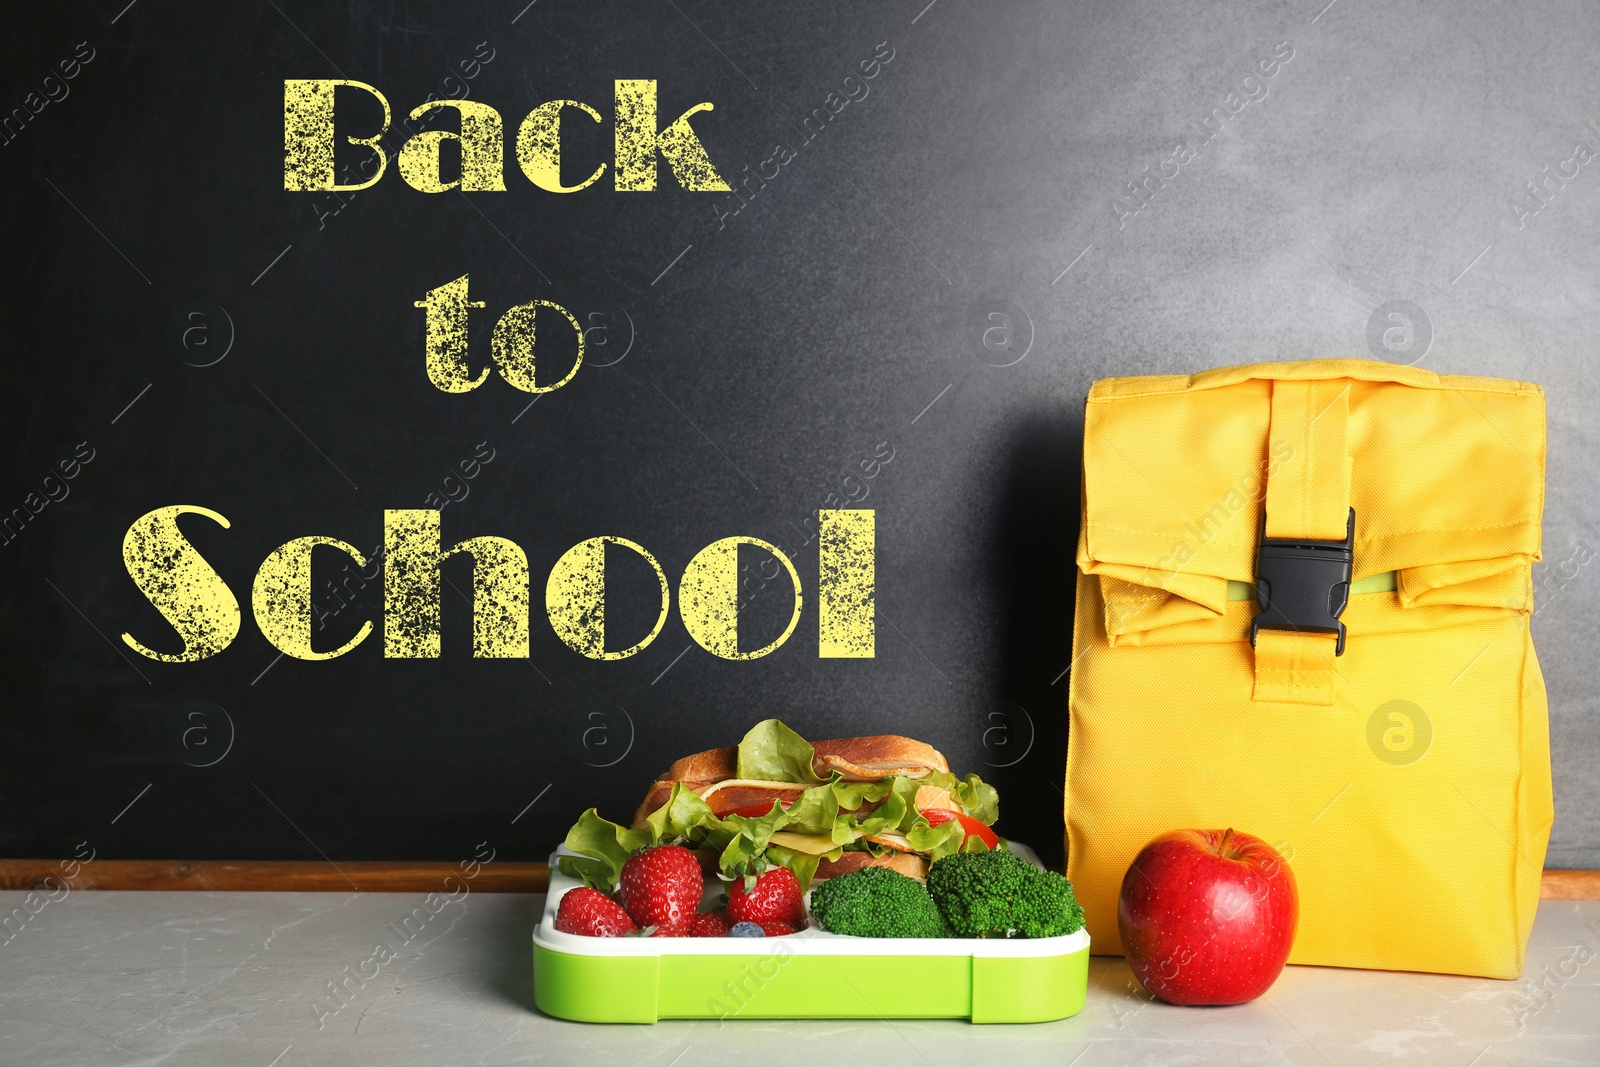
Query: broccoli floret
point(876, 902)
point(1000, 894)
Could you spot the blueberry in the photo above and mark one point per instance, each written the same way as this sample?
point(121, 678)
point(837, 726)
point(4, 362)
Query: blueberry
point(746, 930)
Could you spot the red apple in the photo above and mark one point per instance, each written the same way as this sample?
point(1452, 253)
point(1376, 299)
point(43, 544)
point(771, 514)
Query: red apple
point(1207, 916)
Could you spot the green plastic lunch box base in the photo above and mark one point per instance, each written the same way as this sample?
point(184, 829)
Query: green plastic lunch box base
point(643, 989)
point(810, 975)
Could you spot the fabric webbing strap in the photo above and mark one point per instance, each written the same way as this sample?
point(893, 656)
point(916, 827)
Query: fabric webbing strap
point(1308, 497)
point(1308, 493)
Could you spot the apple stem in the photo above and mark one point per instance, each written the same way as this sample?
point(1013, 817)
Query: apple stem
point(1222, 846)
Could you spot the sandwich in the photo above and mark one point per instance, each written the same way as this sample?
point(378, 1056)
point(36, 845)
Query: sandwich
point(821, 809)
point(714, 776)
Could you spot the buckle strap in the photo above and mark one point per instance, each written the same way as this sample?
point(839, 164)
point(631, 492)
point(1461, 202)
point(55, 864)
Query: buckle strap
point(1303, 569)
point(1308, 491)
point(1294, 668)
point(1304, 585)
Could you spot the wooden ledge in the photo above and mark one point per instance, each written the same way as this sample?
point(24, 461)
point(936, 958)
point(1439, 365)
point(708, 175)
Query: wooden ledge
point(297, 876)
point(1570, 885)
point(275, 876)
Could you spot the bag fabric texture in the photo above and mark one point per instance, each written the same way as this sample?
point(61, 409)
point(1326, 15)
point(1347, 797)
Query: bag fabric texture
point(1407, 778)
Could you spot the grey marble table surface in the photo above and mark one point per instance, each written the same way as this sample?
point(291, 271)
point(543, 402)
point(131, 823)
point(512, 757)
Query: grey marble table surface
point(249, 979)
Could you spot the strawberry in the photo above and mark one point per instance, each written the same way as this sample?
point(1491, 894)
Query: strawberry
point(590, 912)
point(776, 929)
point(775, 898)
point(661, 886)
point(710, 924)
point(668, 930)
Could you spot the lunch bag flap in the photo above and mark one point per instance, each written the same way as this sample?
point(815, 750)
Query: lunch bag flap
point(1444, 475)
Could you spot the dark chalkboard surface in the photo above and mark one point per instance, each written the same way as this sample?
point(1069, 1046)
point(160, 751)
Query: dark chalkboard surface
point(901, 310)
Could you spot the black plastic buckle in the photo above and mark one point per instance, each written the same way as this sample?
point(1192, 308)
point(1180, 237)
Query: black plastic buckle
point(1304, 585)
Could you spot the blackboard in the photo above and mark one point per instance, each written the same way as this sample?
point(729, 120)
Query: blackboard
point(900, 308)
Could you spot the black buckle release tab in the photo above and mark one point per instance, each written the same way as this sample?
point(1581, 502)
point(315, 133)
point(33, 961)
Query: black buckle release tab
point(1304, 585)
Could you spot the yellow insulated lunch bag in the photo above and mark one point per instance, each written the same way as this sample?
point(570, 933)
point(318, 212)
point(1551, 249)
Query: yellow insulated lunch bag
point(1303, 601)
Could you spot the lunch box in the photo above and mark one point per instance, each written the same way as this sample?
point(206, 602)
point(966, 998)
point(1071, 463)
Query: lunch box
point(811, 974)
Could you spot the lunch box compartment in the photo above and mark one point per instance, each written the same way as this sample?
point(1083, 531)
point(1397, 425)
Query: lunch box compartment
point(811, 974)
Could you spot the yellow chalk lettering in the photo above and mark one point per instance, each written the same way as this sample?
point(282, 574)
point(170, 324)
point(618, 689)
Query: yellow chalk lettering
point(539, 146)
point(281, 598)
point(708, 598)
point(575, 598)
point(444, 344)
point(846, 611)
point(308, 135)
point(512, 346)
point(637, 141)
point(411, 589)
point(178, 581)
point(482, 141)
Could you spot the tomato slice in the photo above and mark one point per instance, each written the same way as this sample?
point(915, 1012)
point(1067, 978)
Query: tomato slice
point(971, 826)
point(756, 811)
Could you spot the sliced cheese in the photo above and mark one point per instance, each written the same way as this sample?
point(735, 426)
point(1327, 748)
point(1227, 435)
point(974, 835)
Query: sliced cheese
point(811, 844)
point(753, 783)
point(895, 841)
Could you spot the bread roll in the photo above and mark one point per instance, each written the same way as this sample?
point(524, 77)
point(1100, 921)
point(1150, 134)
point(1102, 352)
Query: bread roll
point(908, 864)
point(857, 759)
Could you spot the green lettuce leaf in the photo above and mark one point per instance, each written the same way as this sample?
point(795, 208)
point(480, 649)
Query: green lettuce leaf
point(940, 841)
point(741, 855)
point(978, 798)
point(684, 815)
point(803, 864)
point(774, 753)
point(743, 840)
point(852, 795)
point(813, 811)
point(897, 812)
point(602, 847)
